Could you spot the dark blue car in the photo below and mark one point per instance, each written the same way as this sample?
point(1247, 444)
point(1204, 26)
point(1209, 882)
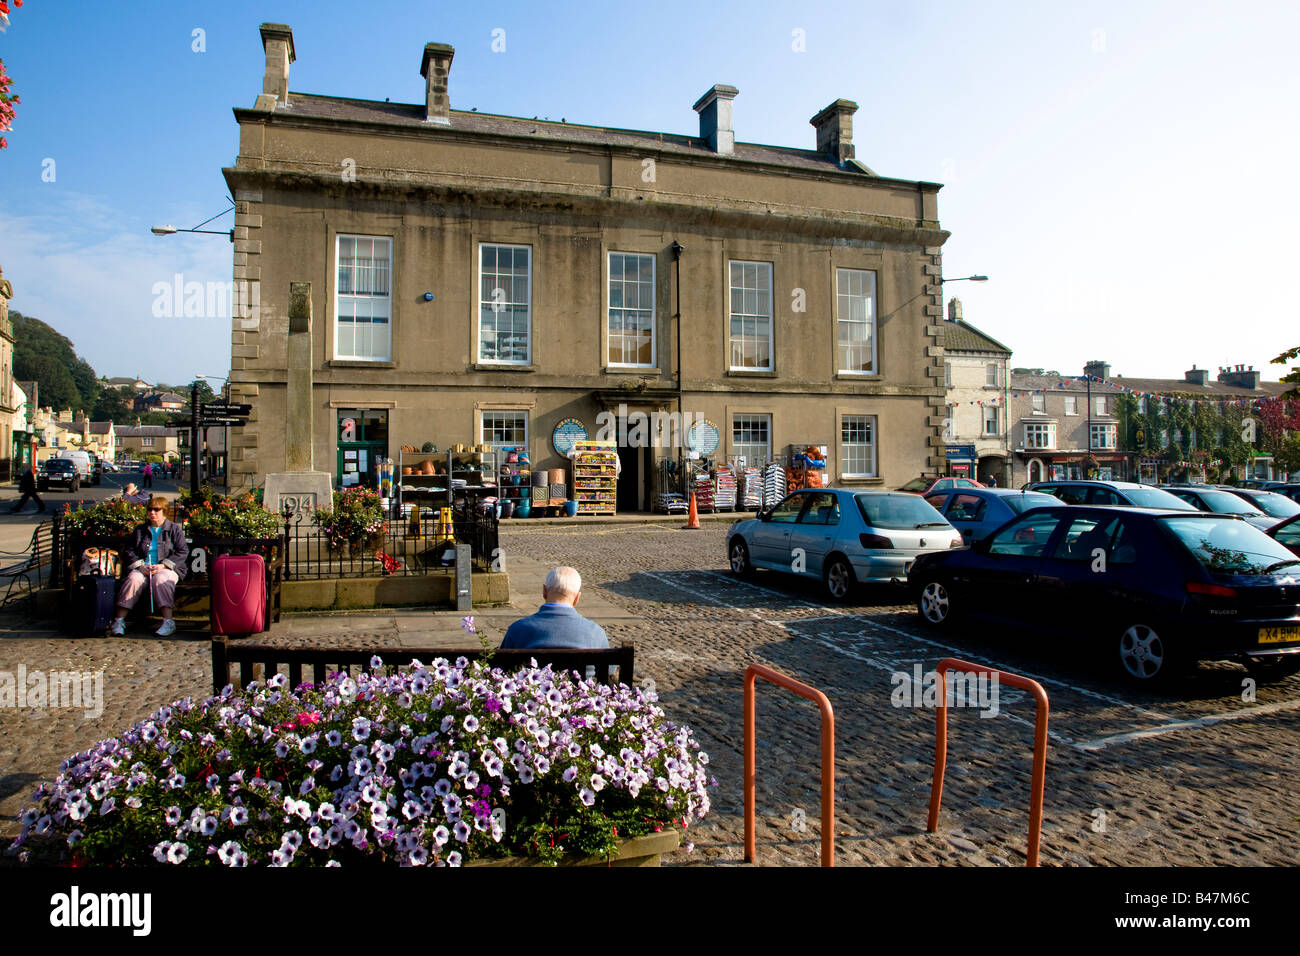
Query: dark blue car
point(1151, 590)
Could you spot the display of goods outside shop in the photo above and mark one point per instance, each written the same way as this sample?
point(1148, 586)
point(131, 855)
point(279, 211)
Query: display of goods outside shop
point(595, 477)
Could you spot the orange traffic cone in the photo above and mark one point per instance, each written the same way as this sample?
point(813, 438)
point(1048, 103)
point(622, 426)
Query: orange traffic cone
point(693, 517)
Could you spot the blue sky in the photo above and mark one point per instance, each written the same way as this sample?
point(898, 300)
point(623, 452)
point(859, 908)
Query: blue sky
point(1121, 171)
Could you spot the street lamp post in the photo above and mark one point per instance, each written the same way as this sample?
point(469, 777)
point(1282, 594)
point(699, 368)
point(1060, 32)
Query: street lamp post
point(170, 230)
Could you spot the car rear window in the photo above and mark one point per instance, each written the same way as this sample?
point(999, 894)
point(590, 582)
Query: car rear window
point(1278, 506)
point(1229, 546)
point(1226, 503)
point(1155, 498)
point(898, 512)
point(1027, 499)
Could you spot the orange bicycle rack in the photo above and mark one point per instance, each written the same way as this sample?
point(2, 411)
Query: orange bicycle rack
point(828, 757)
point(1040, 746)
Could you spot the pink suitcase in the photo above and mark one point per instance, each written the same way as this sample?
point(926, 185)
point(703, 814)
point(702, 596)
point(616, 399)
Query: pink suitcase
point(238, 594)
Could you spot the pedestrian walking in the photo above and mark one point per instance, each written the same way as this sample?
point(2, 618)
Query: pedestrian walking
point(27, 485)
point(148, 475)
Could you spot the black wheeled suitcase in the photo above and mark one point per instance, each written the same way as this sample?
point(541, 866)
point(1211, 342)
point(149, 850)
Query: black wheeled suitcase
point(94, 601)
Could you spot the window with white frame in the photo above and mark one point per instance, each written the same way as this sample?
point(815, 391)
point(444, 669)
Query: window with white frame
point(1038, 401)
point(146, 442)
point(1102, 436)
point(363, 299)
point(991, 373)
point(751, 438)
point(1071, 404)
point(505, 304)
point(505, 429)
point(751, 316)
point(631, 310)
point(1100, 404)
point(858, 446)
point(1040, 435)
point(855, 311)
point(991, 419)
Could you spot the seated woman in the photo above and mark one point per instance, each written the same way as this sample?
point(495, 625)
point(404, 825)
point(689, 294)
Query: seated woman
point(156, 560)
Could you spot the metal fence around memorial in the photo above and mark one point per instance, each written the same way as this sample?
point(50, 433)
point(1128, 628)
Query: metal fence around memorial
point(411, 546)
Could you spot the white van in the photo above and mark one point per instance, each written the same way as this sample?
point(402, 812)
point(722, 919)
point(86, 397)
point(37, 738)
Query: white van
point(82, 461)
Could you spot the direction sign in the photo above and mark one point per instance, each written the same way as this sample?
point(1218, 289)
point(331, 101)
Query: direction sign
point(231, 422)
point(224, 409)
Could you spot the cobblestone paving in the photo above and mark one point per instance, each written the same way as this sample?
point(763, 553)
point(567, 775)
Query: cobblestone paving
point(1210, 783)
point(1218, 791)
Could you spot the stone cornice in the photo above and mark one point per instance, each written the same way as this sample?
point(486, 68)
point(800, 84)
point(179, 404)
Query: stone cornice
point(595, 206)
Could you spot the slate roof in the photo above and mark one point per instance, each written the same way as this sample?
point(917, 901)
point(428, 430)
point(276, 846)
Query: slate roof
point(412, 115)
point(1211, 389)
point(964, 337)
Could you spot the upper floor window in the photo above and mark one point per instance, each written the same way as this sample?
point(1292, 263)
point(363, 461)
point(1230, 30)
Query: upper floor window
point(631, 310)
point(363, 299)
point(1100, 404)
point(146, 442)
point(751, 316)
point(855, 312)
point(990, 419)
point(1071, 405)
point(1102, 436)
point(1040, 435)
point(1038, 401)
point(991, 373)
point(505, 304)
point(947, 375)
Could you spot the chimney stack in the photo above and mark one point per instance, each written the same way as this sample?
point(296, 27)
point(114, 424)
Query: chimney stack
point(717, 128)
point(835, 130)
point(277, 43)
point(1240, 376)
point(1196, 376)
point(1097, 369)
point(435, 67)
point(954, 309)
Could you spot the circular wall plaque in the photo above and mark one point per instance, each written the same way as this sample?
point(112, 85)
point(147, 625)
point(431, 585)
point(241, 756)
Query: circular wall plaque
point(567, 434)
point(704, 437)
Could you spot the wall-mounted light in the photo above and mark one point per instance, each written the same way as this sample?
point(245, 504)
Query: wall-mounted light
point(428, 297)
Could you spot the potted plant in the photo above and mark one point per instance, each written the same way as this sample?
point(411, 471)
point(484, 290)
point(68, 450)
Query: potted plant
point(356, 521)
point(438, 764)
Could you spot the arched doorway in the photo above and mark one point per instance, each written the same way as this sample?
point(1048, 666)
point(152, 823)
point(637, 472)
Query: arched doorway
point(1035, 471)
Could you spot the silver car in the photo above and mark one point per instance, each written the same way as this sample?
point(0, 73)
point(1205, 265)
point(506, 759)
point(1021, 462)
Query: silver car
point(841, 537)
point(978, 512)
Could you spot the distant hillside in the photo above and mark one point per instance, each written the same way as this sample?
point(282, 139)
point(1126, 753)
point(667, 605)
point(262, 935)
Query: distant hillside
point(40, 353)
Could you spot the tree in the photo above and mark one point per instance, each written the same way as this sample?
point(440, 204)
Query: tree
point(1292, 377)
point(42, 354)
point(113, 405)
point(205, 391)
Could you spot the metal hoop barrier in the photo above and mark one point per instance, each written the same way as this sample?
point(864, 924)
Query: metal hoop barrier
point(1040, 745)
point(828, 757)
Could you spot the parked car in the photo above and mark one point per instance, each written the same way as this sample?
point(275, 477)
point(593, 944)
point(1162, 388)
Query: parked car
point(1118, 493)
point(1218, 501)
point(1269, 502)
point(841, 537)
point(58, 471)
point(1151, 590)
point(1290, 490)
point(1287, 534)
point(978, 512)
point(928, 484)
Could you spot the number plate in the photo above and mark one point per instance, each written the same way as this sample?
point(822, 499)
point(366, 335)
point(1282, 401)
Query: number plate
point(1279, 635)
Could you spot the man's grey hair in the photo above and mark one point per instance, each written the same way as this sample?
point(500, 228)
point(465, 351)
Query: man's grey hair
point(562, 582)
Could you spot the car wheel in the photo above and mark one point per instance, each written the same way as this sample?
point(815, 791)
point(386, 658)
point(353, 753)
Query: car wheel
point(935, 604)
point(839, 579)
point(1145, 656)
point(1270, 669)
point(739, 557)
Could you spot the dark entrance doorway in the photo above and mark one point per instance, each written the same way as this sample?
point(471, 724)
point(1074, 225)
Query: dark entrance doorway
point(630, 478)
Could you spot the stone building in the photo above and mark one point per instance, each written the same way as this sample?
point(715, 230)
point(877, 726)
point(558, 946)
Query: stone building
point(977, 379)
point(482, 279)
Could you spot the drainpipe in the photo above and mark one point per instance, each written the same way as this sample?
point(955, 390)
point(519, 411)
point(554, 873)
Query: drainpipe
point(677, 249)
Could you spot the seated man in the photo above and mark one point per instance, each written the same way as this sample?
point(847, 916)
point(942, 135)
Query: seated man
point(155, 561)
point(134, 495)
point(556, 624)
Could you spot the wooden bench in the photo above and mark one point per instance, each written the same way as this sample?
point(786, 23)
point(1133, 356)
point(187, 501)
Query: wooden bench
point(253, 661)
point(24, 565)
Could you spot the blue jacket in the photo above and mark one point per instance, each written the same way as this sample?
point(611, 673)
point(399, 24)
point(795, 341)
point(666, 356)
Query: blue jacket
point(172, 548)
point(555, 625)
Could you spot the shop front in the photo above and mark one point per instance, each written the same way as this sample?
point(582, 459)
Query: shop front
point(1074, 466)
point(362, 437)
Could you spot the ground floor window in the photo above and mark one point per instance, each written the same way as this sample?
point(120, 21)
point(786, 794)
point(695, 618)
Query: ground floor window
point(362, 436)
point(505, 429)
point(858, 446)
point(751, 438)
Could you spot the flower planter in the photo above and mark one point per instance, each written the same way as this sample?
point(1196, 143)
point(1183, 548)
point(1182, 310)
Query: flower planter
point(645, 850)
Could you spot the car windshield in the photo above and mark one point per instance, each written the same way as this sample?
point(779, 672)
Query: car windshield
point(1226, 503)
point(1227, 546)
point(1279, 506)
point(898, 512)
point(917, 484)
point(1156, 498)
point(1027, 499)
